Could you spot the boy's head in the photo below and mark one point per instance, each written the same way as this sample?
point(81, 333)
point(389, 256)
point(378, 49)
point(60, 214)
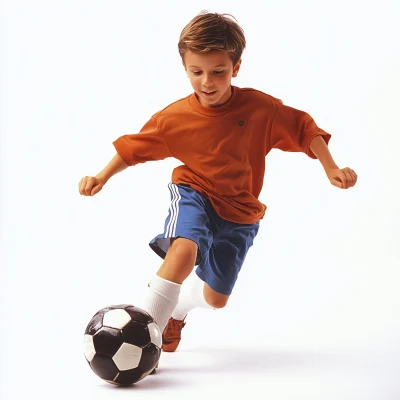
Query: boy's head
point(211, 46)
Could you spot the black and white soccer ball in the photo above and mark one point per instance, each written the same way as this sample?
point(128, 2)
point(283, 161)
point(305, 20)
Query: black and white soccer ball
point(122, 344)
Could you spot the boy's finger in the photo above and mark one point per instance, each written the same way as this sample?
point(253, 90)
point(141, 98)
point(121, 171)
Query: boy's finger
point(95, 190)
point(354, 175)
point(348, 178)
point(83, 186)
point(88, 188)
point(80, 186)
point(345, 180)
point(83, 189)
point(351, 179)
point(341, 179)
point(337, 183)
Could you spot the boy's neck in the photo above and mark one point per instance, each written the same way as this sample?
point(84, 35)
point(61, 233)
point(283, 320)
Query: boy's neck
point(219, 105)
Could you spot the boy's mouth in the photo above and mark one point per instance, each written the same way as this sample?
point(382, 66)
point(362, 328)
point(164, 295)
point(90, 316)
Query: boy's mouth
point(209, 93)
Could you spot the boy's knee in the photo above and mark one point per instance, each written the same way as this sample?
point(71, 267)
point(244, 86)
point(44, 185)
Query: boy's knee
point(215, 299)
point(217, 303)
point(184, 250)
point(179, 261)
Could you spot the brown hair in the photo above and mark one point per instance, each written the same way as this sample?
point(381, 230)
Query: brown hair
point(212, 31)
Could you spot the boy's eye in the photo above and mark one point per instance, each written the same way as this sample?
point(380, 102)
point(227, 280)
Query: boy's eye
point(215, 72)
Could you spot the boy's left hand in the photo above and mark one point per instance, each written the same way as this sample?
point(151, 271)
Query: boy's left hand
point(342, 178)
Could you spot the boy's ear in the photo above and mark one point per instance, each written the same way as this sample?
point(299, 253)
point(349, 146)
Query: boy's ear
point(236, 68)
point(184, 66)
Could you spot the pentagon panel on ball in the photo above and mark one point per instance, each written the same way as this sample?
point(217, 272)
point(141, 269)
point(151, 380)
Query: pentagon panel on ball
point(122, 344)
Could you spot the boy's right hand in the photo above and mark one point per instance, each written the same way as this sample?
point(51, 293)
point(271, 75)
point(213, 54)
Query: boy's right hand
point(90, 185)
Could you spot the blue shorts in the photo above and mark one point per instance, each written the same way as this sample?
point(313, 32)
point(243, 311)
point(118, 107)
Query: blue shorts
point(222, 245)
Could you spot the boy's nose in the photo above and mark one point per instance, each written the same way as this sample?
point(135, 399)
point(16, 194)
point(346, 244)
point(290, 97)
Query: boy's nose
point(207, 82)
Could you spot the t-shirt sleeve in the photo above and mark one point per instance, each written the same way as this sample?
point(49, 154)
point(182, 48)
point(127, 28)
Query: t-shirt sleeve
point(293, 130)
point(148, 145)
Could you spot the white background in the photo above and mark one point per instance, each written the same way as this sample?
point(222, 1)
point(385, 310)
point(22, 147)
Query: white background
point(315, 313)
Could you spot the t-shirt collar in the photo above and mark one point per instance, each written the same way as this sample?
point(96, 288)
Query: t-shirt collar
point(214, 111)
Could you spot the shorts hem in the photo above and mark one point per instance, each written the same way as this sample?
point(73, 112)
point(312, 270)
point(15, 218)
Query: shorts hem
point(214, 283)
point(161, 248)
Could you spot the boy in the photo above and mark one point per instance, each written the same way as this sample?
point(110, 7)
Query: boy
point(221, 134)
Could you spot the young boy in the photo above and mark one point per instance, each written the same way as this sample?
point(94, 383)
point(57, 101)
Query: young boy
point(221, 134)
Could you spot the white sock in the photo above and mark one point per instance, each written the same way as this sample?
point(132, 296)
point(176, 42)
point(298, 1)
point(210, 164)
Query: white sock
point(162, 297)
point(190, 299)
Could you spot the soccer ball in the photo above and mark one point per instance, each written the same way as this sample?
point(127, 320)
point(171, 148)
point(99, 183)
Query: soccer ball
point(122, 344)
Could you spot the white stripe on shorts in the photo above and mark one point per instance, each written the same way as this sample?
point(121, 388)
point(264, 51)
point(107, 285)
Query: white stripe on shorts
point(170, 231)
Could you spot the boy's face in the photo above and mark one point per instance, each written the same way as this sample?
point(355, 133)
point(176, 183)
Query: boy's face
point(210, 75)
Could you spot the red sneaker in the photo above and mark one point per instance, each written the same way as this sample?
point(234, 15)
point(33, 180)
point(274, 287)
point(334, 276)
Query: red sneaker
point(172, 334)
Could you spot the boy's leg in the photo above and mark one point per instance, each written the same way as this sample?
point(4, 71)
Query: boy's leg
point(215, 299)
point(225, 260)
point(215, 276)
point(199, 294)
point(184, 242)
point(164, 288)
point(217, 273)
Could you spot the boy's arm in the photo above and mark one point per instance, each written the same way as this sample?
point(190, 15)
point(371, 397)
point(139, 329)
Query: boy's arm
point(116, 165)
point(295, 130)
point(342, 178)
point(320, 149)
point(90, 185)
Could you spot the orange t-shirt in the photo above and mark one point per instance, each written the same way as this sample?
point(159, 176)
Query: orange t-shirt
point(223, 149)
